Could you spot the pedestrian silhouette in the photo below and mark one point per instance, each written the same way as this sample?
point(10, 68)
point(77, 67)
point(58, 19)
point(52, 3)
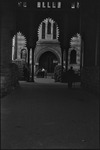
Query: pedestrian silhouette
point(70, 77)
point(26, 72)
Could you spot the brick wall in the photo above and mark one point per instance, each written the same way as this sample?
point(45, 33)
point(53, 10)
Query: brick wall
point(90, 78)
point(9, 79)
point(20, 64)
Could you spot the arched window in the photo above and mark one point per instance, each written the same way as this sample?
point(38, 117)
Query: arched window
point(54, 31)
point(49, 28)
point(73, 57)
point(23, 54)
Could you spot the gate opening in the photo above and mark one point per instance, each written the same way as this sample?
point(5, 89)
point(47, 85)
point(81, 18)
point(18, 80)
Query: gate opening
point(48, 61)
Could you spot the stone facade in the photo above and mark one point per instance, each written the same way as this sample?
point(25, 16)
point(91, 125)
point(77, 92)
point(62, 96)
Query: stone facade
point(42, 47)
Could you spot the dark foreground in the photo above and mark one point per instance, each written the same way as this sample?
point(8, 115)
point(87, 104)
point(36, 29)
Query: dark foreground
point(49, 115)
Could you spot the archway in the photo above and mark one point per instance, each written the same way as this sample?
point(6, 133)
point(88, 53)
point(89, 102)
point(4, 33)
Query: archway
point(19, 52)
point(18, 45)
point(48, 61)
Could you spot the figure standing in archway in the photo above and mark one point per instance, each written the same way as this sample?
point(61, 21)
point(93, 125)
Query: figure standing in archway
point(26, 72)
point(70, 77)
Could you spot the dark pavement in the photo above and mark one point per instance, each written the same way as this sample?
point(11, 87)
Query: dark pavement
point(49, 115)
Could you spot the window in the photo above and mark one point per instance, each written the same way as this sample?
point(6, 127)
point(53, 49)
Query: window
point(73, 57)
point(54, 31)
point(49, 28)
point(23, 54)
point(43, 30)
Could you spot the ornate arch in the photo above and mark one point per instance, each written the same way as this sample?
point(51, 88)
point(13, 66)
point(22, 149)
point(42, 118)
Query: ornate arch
point(46, 49)
point(18, 42)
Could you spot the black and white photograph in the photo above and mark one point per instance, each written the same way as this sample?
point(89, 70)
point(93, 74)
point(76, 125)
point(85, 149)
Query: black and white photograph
point(49, 74)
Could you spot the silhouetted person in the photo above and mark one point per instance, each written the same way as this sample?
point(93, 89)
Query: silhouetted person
point(70, 77)
point(43, 72)
point(26, 72)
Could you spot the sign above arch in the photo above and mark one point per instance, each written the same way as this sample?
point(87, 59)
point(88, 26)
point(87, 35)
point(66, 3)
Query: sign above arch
point(49, 5)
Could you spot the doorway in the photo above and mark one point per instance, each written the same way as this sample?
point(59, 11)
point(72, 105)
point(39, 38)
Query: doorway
point(48, 61)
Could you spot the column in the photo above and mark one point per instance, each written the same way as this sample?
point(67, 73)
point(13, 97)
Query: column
point(29, 62)
point(61, 64)
point(97, 44)
point(7, 25)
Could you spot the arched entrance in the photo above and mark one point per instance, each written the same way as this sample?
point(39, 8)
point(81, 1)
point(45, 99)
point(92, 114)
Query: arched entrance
point(48, 61)
point(47, 52)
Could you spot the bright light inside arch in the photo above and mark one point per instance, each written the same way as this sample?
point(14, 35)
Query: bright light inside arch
point(18, 43)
